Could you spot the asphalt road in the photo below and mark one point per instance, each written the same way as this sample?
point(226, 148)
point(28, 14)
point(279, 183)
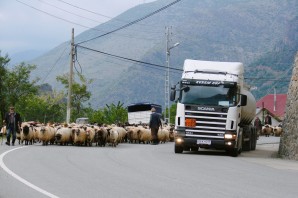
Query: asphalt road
point(137, 170)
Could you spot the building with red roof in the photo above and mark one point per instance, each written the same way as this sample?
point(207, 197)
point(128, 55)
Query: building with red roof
point(274, 104)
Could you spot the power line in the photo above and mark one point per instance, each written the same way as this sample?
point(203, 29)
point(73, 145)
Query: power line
point(254, 79)
point(129, 59)
point(172, 68)
point(102, 15)
point(55, 16)
point(51, 69)
point(78, 24)
point(96, 13)
point(90, 19)
point(133, 22)
point(69, 12)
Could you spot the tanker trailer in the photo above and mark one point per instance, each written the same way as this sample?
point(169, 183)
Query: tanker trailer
point(214, 108)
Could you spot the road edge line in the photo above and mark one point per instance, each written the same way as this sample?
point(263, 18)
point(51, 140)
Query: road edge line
point(4, 167)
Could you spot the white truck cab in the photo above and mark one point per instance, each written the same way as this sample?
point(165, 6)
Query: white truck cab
point(214, 108)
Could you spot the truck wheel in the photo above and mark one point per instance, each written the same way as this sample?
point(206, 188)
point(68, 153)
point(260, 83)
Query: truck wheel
point(186, 148)
point(178, 149)
point(246, 145)
point(234, 152)
point(240, 151)
point(254, 141)
point(254, 145)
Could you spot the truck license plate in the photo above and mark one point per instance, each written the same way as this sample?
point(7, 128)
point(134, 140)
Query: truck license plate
point(208, 142)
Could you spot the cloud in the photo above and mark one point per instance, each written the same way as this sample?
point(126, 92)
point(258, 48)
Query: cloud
point(39, 27)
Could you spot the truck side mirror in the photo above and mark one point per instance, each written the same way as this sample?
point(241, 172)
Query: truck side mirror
point(173, 93)
point(243, 100)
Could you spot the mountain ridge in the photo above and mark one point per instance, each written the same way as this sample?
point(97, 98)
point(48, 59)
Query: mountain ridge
point(233, 30)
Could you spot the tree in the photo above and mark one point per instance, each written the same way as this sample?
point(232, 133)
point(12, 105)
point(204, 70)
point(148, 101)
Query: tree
point(173, 108)
point(97, 117)
point(79, 95)
point(45, 107)
point(17, 84)
point(3, 63)
point(110, 114)
point(115, 113)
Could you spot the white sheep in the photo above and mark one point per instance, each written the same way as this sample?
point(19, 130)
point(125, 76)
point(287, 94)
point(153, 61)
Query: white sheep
point(163, 135)
point(47, 135)
point(101, 134)
point(170, 128)
point(112, 136)
point(267, 130)
point(277, 130)
point(132, 134)
point(36, 131)
point(3, 131)
point(122, 133)
point(80, 136)
point(27, 133)
point(144, 135)
point(90, 134)
point(64, 136)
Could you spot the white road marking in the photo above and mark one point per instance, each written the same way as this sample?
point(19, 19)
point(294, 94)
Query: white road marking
point(20, 178)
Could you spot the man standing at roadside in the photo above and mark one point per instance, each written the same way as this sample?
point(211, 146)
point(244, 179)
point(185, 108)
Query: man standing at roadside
point(258, 125)
point(154, 125)
point(13, 124)
point(268, 119)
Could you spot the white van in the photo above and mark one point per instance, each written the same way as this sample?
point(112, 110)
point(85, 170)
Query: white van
point(82, 121)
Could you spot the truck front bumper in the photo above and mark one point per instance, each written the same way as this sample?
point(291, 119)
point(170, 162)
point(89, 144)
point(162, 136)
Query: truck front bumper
point(197, 142)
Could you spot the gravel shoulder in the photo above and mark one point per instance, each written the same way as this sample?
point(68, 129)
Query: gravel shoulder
point(266, 153)
point(267, 147)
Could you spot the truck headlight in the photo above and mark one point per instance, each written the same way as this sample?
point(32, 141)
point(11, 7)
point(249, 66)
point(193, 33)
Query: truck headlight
point(179, 140)
point(229, 136)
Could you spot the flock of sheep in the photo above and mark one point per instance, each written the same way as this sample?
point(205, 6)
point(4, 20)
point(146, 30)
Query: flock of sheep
point(268, 130)
point(88, 135)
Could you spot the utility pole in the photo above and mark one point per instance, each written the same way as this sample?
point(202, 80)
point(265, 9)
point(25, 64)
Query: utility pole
point(167, 75)
point(70, 79)
point(167, 78)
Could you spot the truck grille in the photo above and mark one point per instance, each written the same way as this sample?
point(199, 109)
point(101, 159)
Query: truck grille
point(208, 124)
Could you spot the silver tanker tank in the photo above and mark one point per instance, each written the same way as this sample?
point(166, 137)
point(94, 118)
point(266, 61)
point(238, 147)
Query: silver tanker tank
point(248, 112)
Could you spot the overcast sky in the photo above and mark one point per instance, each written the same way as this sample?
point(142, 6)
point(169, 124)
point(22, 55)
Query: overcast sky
point(30, 27)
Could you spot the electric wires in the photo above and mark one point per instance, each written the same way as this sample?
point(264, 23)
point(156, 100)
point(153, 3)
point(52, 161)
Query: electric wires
point(133, 22)
point(125, 58)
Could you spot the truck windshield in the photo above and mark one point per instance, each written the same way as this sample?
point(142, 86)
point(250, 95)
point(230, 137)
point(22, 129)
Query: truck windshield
point(210, 96)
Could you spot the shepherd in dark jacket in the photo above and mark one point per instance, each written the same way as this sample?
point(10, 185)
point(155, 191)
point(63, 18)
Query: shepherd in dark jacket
point(13, 124)
point(154, 125)
point(268, 119)
point(258, 125)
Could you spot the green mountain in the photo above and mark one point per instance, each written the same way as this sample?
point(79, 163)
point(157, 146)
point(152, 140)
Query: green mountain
point(261, 34)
